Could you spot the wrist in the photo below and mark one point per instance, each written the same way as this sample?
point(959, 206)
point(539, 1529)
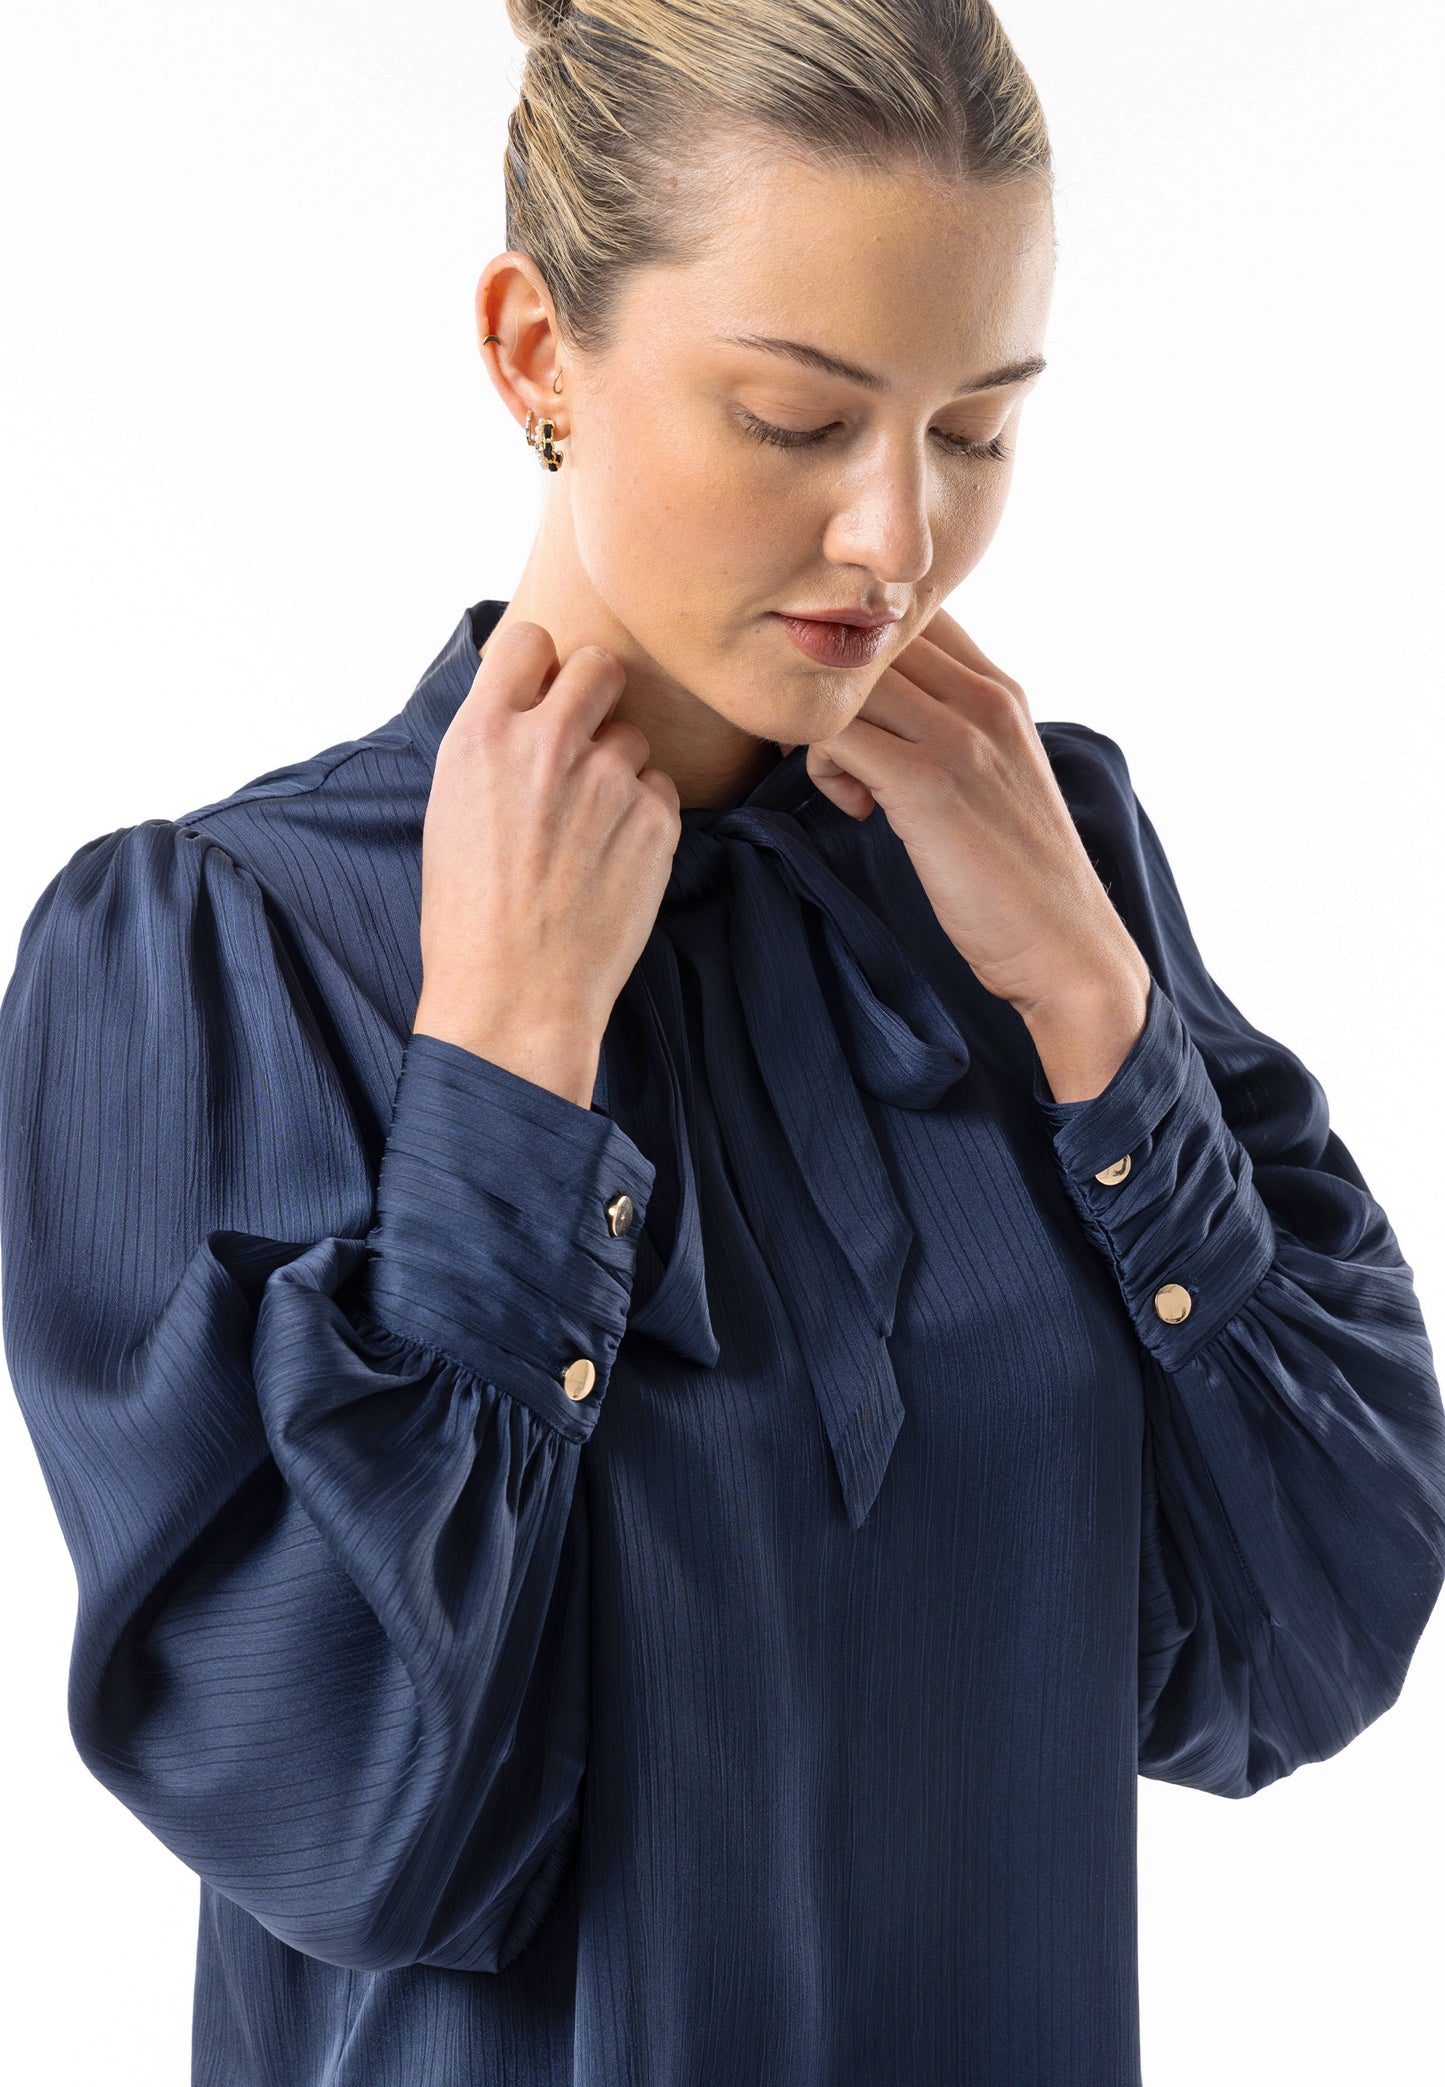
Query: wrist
point(1082, 1034)
point(560, 1056)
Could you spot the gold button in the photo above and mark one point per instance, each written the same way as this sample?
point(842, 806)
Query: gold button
point(580, 1377)
point(1173, 1302)
point(1116, 1171)
point(619, 1215)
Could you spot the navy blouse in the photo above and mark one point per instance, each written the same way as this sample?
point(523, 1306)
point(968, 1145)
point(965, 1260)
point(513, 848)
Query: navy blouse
point(769, 1714)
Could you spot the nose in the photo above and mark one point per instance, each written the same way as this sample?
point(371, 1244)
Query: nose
point(884, 526)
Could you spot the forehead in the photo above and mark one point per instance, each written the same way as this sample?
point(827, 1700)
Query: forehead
point(892, 268)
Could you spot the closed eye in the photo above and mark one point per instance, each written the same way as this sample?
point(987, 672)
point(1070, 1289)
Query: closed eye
point(809, 438)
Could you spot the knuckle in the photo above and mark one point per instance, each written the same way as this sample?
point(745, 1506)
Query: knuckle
point(475, 729)
point(596, 661)
point(613, 761)
point(996, 702)
point(664, 807)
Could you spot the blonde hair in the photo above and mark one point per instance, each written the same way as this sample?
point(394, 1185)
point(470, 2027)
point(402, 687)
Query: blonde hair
point(617, 95)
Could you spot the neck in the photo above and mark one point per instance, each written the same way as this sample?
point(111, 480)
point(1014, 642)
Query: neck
point(711, 760)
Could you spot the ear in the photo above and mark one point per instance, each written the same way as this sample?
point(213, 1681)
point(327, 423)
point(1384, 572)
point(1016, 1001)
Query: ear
point(513, 302)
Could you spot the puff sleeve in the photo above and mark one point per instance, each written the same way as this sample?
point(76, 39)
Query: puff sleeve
point(304, 1429)
point(1293, 1482)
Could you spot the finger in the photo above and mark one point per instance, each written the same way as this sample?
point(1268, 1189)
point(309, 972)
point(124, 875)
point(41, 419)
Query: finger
point(845, 791)
point(517, 665)
point(885, 761)
point(940, 679)
point(519, 671)
point(897, 703)
point(630, 741)
point(588, 688)
point(949, 636)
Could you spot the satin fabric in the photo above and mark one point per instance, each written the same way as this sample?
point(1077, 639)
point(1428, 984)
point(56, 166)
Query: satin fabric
point(744, 885)
point(774, 1712)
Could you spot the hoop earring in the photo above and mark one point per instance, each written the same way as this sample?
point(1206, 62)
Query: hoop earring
point(548, 454)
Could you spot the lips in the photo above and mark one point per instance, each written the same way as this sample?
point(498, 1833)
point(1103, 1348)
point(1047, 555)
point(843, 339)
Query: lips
point(831, 642)
point(856, 619)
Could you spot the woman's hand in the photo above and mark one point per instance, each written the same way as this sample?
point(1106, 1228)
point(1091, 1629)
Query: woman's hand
point(546, 850)
point(946, 744)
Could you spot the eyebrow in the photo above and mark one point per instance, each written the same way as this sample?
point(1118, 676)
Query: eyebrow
point(834, 365)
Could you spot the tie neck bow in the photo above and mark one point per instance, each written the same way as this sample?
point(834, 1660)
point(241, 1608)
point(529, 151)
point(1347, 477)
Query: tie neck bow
point(805, 999)
point(808, 1004)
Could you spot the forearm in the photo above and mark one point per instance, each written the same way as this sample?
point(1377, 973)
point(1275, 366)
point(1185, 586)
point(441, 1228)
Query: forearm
point(1083, 1036)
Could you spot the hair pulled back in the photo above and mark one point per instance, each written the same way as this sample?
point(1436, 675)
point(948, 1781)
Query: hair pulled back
point(622, 100)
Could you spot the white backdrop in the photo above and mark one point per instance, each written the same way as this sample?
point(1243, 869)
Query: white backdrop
point(253, 471)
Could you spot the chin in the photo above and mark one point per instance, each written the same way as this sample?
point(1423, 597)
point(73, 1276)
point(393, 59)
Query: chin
point(793, 707)
point(796, 726)
point(820, 718)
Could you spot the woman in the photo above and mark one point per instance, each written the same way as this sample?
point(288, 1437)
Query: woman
point(672, 1325)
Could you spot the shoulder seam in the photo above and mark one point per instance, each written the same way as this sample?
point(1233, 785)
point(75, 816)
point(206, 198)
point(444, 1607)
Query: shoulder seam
point(253, 793)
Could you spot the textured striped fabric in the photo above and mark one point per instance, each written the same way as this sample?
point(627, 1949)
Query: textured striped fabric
point(771, 1716)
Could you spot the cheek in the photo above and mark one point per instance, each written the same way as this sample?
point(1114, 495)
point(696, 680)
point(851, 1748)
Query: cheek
point(656, 507)
point(965, 523)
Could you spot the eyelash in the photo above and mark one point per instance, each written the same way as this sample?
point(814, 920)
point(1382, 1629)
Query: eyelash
point(791, 438)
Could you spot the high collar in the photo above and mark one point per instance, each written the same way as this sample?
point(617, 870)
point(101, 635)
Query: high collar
point(446, 683)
